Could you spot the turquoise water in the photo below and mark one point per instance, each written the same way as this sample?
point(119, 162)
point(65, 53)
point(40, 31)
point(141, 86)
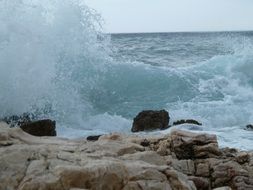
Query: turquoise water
point(56, 62)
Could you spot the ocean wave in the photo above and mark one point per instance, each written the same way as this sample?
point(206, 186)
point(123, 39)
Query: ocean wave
point(56, 62)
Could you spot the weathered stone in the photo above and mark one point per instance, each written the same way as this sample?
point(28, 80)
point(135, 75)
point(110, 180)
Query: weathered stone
point(147, 156)
point(223, 188)
point(229, 173)
point(229, 152)
point(40, 128)
point(200, 182)
point(187, 145)
point(151, 120)
point(184, 166)
point(179, 181)
point(116, 161)
point(163, 147)
point(154, 185)
point(202, 169)
point(242, 157)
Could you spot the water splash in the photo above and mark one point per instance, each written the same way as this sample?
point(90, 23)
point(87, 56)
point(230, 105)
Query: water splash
point(51, 52)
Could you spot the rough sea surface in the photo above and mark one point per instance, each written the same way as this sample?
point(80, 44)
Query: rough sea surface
point(56, 62)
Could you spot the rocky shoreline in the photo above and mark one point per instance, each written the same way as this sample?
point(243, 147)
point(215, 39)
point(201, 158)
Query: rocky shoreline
point(178, 161)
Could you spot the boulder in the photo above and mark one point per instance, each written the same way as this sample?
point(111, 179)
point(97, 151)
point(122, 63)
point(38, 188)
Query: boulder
point(186, 121)
point(151, 120)
point(40, 128)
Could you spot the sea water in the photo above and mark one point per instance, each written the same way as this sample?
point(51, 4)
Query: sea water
point(56, 62)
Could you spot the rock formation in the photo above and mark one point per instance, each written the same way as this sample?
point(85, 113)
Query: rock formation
point(151, 120)
point(40, 128)
point(178, 161)
point(31, 125)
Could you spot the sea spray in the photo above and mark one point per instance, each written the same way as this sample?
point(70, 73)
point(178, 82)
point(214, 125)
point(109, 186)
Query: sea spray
point(50, 53)
point(55, 62)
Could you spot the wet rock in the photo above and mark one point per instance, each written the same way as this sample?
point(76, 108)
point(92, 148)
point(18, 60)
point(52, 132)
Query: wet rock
point(40, 128)
point(186, 121)
point(151, 120)
point(93, 138)
point(249, 127)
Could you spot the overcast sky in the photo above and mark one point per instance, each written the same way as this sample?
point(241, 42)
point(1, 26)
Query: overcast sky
point(174, 15)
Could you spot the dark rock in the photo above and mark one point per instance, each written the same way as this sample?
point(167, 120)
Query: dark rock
point(249, 127)
point(186, 121)
point(93, 138)
point(40, 128)
point(145, 143)
point(151, 120)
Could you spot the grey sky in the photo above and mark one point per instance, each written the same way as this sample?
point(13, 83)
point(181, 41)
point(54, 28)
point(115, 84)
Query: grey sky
point(174, 15)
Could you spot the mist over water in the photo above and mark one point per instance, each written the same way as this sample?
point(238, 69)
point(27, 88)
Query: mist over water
point(55, 62)
point(51, 51)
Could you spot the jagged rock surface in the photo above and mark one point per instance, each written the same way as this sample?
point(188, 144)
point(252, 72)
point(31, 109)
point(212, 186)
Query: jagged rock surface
point(120, 162)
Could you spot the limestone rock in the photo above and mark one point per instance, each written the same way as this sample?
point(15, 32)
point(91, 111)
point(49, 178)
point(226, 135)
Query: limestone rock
point(117, 161)
point(202, 169)
point(187, 145)
point(151, 120)
point(230, 173)
point(179, 180)
point(243, 157)
point(200, 182)
point(184, 166)
point(223, 188)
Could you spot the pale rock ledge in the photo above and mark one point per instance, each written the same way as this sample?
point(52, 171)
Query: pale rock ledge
point(179, 161)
